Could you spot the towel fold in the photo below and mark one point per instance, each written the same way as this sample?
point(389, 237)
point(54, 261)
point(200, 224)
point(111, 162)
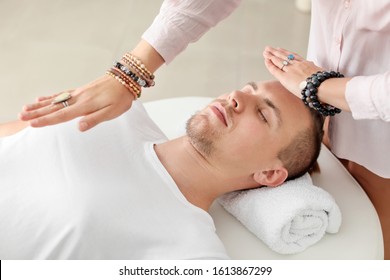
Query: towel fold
point(288, 218)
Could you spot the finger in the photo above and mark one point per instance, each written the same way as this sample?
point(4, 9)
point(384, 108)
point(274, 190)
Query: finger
point(282, 53)
point(42, 101)
point(44, 107)
point(269, 49)
point(274, 70)
point(58, 113)
point(279, 63)
point(95, 118)
point(37, 105)
point(43, 98)
point(55, 117)
point(106, 113)
point(274, 51)
point(49, 109)
point(267, 54)
point(278, 57)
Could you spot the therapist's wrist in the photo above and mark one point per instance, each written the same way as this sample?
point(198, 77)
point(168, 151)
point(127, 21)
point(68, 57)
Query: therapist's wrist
point(311, 87)
point(148, 55)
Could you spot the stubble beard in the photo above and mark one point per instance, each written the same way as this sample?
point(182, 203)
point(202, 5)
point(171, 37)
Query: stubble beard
point(201, 134)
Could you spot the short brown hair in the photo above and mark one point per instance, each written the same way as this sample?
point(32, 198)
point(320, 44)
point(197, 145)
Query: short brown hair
point(301, 154)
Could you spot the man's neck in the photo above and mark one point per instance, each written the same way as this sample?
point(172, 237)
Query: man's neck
point(196, 177)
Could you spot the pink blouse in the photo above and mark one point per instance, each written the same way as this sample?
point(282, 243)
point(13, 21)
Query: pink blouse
point(181, 22)
point(351, 36)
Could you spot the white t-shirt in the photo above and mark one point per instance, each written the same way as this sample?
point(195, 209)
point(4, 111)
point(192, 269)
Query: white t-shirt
point(101, 194)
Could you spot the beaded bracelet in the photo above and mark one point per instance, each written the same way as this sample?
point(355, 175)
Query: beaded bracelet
point(141, 82)
point(138, 63)
point(141, 71)
point(132, 74)
point(123, 76)
point(131, 88)
point(309, 91)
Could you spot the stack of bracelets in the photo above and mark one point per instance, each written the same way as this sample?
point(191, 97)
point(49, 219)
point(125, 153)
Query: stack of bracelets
point(310, 88)
point(132, 74)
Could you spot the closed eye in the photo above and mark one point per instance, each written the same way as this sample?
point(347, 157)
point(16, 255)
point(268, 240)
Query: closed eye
point(274, 114)
point(262, 117)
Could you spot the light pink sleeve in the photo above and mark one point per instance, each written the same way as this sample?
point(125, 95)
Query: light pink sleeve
point(181, 22)
point(369, 97)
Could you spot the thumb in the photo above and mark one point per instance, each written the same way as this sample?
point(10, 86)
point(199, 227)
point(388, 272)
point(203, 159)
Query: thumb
point(93, 119)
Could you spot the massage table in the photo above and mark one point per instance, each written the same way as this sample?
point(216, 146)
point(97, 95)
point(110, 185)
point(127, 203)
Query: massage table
point(359, 237)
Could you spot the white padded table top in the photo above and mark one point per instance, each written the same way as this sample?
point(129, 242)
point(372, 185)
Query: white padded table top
point(360, 235)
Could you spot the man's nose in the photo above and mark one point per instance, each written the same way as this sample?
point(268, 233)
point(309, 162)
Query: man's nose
point(235, 100)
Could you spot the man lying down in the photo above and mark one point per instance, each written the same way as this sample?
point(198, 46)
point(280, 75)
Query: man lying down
point(123, 191)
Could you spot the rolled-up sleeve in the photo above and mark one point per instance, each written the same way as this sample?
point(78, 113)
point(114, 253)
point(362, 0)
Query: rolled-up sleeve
point(182, 22)
point(369, 97)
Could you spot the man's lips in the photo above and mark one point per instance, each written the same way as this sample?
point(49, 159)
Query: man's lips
point(220, 112)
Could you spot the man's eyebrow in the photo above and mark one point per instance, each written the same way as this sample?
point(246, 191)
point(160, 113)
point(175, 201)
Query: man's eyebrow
point(270, 104)
point(275, 109)
point(253, 85)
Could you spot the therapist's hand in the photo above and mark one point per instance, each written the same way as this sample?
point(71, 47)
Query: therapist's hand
point(96, 102)
point(292, 74)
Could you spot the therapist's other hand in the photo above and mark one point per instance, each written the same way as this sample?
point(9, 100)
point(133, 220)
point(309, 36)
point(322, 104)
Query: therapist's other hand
point(96, 102)
point(292, 74)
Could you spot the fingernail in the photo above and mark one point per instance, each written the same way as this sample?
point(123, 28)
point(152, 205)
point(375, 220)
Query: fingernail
point(23, 115)
point(20, 116)
point(34, 122)
point(83, 126)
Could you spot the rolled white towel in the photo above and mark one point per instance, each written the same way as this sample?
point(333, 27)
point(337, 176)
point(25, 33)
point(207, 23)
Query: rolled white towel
point(288, 218)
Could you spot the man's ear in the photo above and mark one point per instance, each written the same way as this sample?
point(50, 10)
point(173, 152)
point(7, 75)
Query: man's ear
point(271, 178)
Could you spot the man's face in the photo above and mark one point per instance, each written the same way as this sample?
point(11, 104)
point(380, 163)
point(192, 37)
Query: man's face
point(247, 128)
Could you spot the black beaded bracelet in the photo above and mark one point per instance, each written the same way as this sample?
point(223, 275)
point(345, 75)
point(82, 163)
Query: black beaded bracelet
point(131, 74)
point(310, 89)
